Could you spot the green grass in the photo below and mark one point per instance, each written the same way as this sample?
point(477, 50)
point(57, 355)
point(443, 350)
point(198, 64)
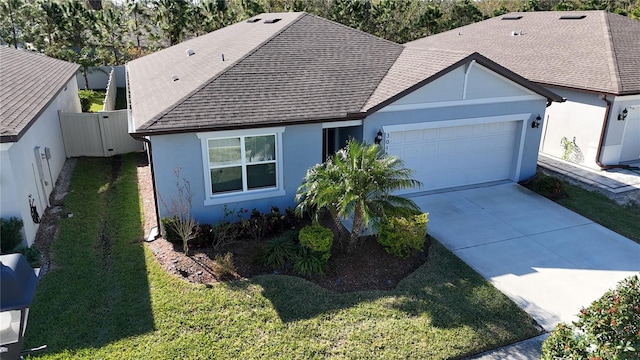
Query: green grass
point(97, 101)
point(107, 297)
point(625, 220)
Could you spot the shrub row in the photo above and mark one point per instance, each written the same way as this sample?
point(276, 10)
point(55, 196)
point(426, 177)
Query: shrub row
point(306, 252)
point(608, 329)
point(234, 226)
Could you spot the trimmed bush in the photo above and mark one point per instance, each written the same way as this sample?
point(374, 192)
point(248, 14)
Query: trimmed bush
point(317, 238)
point(403, 236)
point(85, 99)
point(33, 255)
point(608, 329)
point(279, 251)
point(169, 233)
point(10, 233)
point(224, 233)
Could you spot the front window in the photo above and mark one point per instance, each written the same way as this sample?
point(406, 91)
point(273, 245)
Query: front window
point(243, 163)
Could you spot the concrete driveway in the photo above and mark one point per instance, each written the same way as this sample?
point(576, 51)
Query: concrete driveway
point(549, 260)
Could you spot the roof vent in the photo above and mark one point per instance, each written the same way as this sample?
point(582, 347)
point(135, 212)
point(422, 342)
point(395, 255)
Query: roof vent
point(190, 52)
point(254, 20)
point(271, 21)
point(512, 17)
point(175, 78)
point(572, 17)
point(516, 33)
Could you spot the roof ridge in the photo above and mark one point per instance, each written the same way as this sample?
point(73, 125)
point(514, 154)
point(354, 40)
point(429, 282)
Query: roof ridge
point(354, 29)
point(612, 60)
point(164, 112)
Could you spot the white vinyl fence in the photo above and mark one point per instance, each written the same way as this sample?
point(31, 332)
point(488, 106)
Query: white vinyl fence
point(97, 134)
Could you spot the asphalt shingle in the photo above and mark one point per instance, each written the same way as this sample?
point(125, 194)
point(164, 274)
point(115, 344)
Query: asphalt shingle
point(28, 83)
point(307, 69)
point(591, 50)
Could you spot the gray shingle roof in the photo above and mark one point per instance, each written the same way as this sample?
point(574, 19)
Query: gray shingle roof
point(28, 83)
point(301, 68)
point(600, 52)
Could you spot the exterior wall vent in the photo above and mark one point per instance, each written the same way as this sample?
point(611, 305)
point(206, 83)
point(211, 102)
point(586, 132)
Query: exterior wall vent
point(254, 20)
point(271, 21)
point(572, 17)
point(190, 52)
point(511, 17)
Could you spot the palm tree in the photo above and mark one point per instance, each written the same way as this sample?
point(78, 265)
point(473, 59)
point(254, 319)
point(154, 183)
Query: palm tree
point(357, 182)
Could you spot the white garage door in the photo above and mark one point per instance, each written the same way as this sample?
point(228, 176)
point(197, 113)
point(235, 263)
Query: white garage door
point(458, 155)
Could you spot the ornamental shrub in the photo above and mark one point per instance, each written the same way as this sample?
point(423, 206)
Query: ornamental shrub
point(279, 251)
point(608, 329)
point(169, 225)
point(10, 233)
point(403, 236)
point(309, 262)
point(317, 238)
point(85, 99)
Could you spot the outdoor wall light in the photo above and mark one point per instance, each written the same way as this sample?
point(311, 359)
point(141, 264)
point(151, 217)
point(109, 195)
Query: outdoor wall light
point(536, 123)
point(18, 286)
point(378, 138)
point(623, 115)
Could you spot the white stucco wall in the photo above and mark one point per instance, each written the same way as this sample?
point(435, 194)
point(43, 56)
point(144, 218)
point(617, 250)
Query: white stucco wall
point(18, 161)
point(581, 117)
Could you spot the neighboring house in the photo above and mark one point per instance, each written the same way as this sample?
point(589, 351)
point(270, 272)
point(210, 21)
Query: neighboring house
point(592, 58)
point(33, 89)
point(244, 111)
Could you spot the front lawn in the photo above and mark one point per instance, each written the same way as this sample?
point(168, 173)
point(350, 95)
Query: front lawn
point(625, 220)
point(107, 297)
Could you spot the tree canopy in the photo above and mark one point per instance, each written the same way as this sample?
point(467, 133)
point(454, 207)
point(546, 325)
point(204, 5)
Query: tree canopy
point(122, 30)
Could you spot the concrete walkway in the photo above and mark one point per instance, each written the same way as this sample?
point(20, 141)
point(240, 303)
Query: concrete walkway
point(549, 260)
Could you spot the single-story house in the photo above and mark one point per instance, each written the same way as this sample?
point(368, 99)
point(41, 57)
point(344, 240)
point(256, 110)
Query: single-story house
point(244, 111)
point(33, 89)
point(591, 58)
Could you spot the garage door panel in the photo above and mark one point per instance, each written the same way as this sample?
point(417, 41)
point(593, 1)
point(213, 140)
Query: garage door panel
point(458, 155)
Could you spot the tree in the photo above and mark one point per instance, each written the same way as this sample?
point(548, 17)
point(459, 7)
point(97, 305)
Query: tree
point(110, 24)
point(464, 12)
point(357, 183)
point(172, 17)
point(12, 23)
point(137, 16)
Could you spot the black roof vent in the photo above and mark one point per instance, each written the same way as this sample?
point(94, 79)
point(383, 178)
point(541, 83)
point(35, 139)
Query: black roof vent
point(512, 17)
point(271, 21)
point(572, 17)
point(254, 20)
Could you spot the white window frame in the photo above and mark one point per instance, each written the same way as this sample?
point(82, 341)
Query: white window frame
point(243, 195)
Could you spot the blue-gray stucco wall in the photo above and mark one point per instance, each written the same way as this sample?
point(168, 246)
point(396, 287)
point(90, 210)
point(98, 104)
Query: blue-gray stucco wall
point(532, 135)
point(302, 148)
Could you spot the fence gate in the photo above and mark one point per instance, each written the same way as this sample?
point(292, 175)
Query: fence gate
point(97, 134)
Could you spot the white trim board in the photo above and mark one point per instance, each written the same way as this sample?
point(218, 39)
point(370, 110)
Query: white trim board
point(456, 103)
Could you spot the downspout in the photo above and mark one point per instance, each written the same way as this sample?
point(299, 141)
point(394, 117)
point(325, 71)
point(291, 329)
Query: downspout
point(605, 125)
point(153, 184)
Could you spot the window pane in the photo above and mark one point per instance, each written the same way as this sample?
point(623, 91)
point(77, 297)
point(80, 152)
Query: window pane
point(260, 148)
point(226, 179)
point(224, 151)
point(259, 176)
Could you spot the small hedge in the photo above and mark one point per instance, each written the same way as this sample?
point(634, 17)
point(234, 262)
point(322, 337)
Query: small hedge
point(85, 99)
point(169, 230)
point(317, 238)
point(403, 236)
point(10, 234)
point(608, 329)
